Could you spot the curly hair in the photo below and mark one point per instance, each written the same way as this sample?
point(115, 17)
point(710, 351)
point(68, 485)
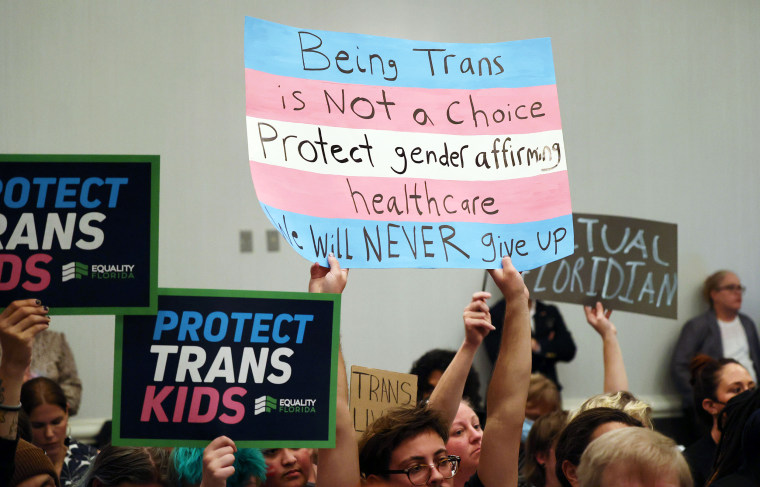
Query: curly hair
point(439, 359)
point(622, 400)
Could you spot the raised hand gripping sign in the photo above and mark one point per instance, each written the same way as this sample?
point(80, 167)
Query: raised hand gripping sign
point(398, 153)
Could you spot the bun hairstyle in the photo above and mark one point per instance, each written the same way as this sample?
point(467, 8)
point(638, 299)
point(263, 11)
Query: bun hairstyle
point(705, 379)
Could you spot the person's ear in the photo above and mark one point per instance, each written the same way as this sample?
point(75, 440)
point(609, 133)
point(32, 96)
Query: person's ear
point(571, 472)
point(541, 458)
point(711, 406)
point(372, 479)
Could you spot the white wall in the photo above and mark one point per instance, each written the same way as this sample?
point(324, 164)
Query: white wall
point(659, 121)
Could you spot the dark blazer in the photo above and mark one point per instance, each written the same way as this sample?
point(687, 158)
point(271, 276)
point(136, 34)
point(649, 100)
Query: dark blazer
point(702, 335)
point(550, 332)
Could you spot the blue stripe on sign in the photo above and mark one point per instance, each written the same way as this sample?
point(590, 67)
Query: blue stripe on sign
point(316, 54)
point(394, 244)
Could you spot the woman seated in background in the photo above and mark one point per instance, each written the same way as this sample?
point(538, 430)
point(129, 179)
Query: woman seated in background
point(714, 382)
point(45, 404)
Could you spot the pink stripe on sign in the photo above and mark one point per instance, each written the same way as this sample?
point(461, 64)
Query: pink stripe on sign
point(394, 199)
point(460, 112)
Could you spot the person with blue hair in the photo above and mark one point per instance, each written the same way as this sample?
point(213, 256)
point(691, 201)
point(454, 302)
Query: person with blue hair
point(220, 464)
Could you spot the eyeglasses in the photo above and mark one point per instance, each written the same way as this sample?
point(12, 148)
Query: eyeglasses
point(733, 288)
point(420, 474)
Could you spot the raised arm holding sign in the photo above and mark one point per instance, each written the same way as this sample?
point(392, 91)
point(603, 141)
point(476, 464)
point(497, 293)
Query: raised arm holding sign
point(464, 424)
point(339, 466)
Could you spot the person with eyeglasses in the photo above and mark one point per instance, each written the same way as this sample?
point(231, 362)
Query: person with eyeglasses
point(407, 447)
point(720, 332)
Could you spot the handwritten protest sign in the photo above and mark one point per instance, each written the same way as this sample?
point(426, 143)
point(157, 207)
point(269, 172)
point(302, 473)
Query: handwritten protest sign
point(259, 367)
point(627, 263)
point(398, 153)
point(80, 233)
point(373, 391)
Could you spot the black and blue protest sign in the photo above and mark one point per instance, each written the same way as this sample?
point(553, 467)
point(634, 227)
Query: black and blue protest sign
point(80, 232)
point(258, 367)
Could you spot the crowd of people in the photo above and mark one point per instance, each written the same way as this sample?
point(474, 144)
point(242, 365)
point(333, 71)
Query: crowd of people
point(518, 436)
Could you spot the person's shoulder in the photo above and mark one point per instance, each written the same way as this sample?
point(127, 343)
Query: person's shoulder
point(702, 450)
point(746, 319)
point(701, 320)
point(474, 481)
point(79, 449)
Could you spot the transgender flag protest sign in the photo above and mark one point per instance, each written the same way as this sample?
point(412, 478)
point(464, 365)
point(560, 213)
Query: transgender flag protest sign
point(399, 153)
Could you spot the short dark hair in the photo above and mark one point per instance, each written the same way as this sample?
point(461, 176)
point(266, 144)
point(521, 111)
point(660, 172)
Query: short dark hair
point(439, 359)
point(577, 435)
point(391, 429)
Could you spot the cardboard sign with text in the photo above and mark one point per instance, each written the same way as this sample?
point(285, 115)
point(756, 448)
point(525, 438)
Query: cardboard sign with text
point(628, 264)
point(373, 391)
point(258, 367)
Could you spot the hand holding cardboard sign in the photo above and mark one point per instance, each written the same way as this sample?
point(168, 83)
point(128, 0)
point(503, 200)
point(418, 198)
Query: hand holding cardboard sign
point(324, 280)
point(218, 460)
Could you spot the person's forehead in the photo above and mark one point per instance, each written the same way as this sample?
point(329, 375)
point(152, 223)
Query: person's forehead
point(730, 278)
point(465, 413)
point(734, 374)
point(425, 445)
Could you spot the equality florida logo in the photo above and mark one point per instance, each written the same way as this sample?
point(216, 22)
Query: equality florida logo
point(269, 404)
point(81, 270)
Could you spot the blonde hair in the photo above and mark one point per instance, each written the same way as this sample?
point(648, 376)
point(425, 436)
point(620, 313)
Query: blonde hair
point(622, 400)
point(646, 455)
point(543, 390)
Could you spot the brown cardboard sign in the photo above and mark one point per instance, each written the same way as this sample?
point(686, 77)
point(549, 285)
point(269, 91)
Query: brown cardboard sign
point(628, 264)
point(373, 391)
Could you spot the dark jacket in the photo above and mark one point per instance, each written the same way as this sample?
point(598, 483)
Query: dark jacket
point(550, 332)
